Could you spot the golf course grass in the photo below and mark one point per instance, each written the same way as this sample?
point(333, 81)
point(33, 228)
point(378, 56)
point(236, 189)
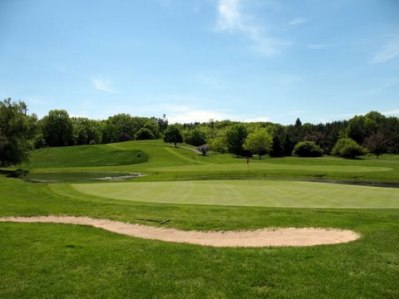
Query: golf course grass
point(249, 193)
point(194, 192)
point(84, 155)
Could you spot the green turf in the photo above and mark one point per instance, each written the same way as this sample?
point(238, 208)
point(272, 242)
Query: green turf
point(249, 193)
point(59, 261)
point(85, 155)
point(49, 260)
point(164, 162)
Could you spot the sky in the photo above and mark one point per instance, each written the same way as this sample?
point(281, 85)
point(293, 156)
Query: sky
point(196, 60)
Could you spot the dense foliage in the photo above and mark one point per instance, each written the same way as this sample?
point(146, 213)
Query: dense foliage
point(372, 132)
point(173, 135)
point(348, 148)
point(307, 149)
point(57, 128)
point(16, 130)
point(236, 136)
point(258, 142)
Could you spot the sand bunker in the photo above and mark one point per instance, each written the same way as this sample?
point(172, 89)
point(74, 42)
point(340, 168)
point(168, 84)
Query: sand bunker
point(255, 238)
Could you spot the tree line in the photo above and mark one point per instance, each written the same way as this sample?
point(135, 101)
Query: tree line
point(21, 132)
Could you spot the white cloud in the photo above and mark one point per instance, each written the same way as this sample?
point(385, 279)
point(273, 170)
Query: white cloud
point(388, 52)
point(386, 84)
point(188, 115)
point(180, 114)
point(257, 119)
point(394, 112)
point(231, 19)
point(102, 85)
point(298, 21)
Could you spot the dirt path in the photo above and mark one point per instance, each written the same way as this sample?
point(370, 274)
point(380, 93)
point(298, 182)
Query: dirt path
point(254, 238)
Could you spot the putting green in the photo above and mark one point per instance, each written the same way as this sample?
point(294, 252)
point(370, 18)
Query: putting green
point(248, 193)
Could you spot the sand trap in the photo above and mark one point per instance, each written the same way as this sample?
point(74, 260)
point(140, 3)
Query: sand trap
point(254, 238)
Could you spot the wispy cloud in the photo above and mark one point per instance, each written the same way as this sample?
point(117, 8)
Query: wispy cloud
point(257, 119)
point(102, 85)
point(388, 52)
point(386, 84)
point(188, 115)
point(394, 112)
point(298, 21)
point(212, 81)
point(184, 114)
point(231, 19)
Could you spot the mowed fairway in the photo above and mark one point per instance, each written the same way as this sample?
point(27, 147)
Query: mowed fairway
point(248, 193)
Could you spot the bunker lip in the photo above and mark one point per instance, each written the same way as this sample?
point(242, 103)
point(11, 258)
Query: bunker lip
point(267, 237)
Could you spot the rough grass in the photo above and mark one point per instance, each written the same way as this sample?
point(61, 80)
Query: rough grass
point(83, 156)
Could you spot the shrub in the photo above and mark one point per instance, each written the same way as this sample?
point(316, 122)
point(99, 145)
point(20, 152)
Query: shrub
point(203, 149)
point(219, 144)
point(348, 148)
point(307, 149)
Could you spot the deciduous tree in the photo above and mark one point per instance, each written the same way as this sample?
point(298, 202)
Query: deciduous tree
point(57, 128)
point(173, 135)
point(259, 142)
point(16, 132)
point(235, 137)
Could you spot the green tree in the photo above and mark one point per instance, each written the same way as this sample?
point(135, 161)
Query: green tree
point(390, 129)
point(86, 131)
point(279, 140)
point(144, 134)
point(152, 125)
point(360, 127)
point(259, 142)
point(122, 127)
point(173, 135)
point(57, 128)
point(162, 123)
point(17, 129)
point(195, 137)
point(298, 122)
point(235, 137)
point(307, 149)
point(219, 142)
point(376, 143)
point(348, 148)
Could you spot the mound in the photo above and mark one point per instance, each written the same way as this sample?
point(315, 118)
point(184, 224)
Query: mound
point(293, 237)
point(85, 155)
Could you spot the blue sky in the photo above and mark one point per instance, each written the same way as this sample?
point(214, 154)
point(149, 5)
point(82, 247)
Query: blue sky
point(194, 60)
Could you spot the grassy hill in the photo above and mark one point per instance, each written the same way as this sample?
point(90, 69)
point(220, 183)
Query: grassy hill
point(159, 161)
point(84, 155)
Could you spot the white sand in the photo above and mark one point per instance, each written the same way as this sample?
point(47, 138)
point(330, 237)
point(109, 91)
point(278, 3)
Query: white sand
point(254, 238)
